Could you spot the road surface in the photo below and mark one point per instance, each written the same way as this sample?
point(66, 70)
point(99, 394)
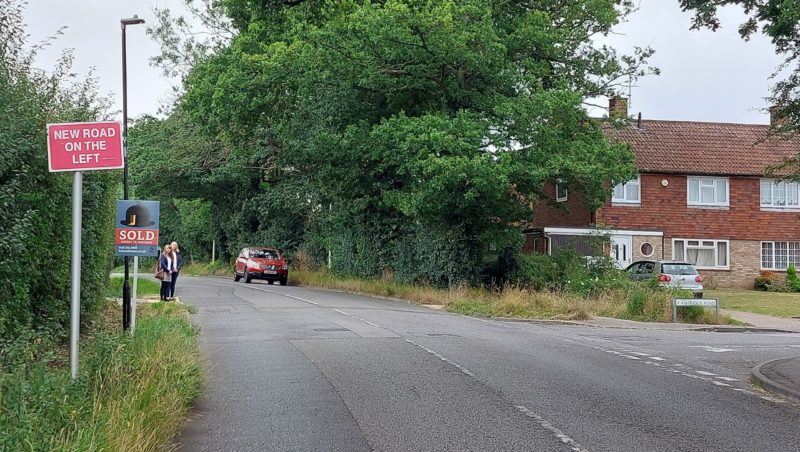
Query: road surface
point(296, 369)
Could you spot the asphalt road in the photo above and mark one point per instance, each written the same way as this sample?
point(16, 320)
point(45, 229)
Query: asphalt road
point(294, 369)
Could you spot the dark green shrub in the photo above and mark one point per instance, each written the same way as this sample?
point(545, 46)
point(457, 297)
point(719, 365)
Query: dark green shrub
point(792, 280)
point(569, 272)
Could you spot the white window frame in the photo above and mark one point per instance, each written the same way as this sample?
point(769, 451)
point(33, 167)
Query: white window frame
point(701, 246)
point(774, 267)
point(560, 185)
point(624, 187)
point(708, 182)
point(776, 186)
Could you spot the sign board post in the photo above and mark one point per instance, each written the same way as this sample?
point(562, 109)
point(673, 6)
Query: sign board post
point(136, 234)
point(79, 147)
point(705, 302)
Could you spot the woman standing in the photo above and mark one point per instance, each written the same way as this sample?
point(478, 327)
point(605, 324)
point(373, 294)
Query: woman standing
point(165, 263)
point(177, 264)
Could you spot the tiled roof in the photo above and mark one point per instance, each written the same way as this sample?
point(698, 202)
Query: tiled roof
point(704, 147)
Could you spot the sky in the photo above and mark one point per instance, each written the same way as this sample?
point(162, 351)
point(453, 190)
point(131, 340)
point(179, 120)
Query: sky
point(705, 76)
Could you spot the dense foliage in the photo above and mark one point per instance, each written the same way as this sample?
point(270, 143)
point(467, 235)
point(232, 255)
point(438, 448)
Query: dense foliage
point(35, 223)
point(399, 136)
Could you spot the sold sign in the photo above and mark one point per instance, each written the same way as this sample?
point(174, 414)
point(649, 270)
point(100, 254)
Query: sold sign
point(84, 146)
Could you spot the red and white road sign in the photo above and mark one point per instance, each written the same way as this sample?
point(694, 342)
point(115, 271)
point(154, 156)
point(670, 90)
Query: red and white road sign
point(84, 146)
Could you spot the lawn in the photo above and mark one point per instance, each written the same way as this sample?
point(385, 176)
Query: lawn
point(145, 287)
point(767, 303)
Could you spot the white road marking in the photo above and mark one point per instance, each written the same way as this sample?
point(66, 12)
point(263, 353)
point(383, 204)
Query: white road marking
point(656, 358)
point(727, 378)
point(719, 383)
point(574, 446)
point(639, 354)
point(631, 357)
point(703, 372)
point(710, 348)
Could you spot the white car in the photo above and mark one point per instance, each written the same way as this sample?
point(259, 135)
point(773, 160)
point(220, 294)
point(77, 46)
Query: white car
point(673, 274)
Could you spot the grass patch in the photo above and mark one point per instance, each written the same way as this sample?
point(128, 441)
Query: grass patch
point(145, 287)
point(133, 392)
point(216, 268)
point(768, 303)
point(638, 302)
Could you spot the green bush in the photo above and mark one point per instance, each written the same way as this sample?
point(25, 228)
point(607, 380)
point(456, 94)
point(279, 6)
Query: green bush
point(792, 279)
point(567, 271)
point(36, 221)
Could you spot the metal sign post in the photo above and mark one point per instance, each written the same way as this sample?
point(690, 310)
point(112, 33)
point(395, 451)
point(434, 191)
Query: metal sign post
point(134, 295)
point(79, 147)
point(75, 301)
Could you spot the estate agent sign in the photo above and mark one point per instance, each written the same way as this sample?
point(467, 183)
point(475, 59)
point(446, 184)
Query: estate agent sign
point(136, 232)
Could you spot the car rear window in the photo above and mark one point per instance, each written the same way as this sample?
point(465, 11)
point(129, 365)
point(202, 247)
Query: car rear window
point(264, 254)
point(679, 269)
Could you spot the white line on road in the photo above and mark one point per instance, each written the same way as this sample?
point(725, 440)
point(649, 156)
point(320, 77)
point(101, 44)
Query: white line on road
point(656, 358)
point(703, 372)
point(709, 348)
point(574, 446)
point(728, 379)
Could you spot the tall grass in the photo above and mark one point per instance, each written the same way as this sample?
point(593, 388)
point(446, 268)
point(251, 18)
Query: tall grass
point(635, 302)
point(132, 394)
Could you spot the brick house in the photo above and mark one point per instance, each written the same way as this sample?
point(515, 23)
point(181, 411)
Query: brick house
point(701, 195)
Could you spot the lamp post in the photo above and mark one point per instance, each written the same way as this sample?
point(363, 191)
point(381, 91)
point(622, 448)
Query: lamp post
point(126, 288)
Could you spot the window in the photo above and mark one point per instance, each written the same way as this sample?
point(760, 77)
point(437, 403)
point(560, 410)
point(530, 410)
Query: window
point(780, 194)
point(561, 192)
point(707, 191)
point(647, 249)
point(627, 193)
point(779, 255)
point(709, 254)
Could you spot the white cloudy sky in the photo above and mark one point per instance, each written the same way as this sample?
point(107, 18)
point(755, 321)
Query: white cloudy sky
point(705, 76)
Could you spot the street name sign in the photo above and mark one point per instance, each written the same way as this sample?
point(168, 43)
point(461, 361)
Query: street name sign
point(705, 302)
point(136, 230)
point(84, 146)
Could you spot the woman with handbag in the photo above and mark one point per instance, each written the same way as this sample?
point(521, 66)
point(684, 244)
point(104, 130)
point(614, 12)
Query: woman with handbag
point(164, 271)
point(177, 264)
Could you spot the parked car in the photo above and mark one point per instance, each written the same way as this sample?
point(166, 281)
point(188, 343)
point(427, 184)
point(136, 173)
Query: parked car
point(674, 274)
point(261, 263)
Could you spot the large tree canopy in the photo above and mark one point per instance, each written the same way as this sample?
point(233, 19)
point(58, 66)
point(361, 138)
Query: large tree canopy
point(405, 135)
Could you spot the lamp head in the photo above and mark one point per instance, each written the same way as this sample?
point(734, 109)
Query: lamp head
point(132, 21)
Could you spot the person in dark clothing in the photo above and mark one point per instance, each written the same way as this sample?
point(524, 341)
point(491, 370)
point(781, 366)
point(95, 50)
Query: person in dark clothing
point(165, 262)
point(177, 264)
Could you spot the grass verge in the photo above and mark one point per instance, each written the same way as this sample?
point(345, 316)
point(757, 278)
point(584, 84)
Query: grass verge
point(133, 392)
point(775, 304)
point(635, 303)
point(144, 287)
point(216, 268)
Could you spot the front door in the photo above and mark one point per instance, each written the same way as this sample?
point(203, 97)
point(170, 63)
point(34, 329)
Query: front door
point(621, 246)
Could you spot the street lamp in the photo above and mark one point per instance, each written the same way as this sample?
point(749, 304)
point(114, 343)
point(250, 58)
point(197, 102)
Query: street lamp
point(126, 288)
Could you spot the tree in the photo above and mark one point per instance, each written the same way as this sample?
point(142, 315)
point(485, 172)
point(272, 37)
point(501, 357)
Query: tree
point(408, 135)
point(780, 21)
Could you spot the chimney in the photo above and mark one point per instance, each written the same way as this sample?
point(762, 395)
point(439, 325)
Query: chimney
point(618, 107)
point(777, 118)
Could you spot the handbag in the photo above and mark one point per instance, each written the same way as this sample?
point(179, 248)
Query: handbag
point(160, 274)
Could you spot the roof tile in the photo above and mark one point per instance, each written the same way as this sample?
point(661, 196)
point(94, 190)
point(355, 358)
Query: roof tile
point(704, 147)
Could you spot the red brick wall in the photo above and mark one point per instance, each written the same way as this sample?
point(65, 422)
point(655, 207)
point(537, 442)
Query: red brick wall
point(575, 214)
point(665, 209)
